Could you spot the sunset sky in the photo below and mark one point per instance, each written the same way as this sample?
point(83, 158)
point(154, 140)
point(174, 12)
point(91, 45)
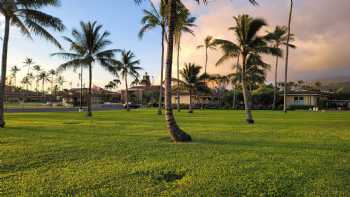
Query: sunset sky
point(322, 29)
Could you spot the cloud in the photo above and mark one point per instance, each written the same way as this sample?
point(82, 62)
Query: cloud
point(321, 27)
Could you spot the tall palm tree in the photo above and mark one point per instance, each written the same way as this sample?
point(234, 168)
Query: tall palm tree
point(176, 133)
point(208, 44)
point(43, 77)
point(278, 38)
point(37, 68)
point(14, 71)
point(287, 57)
point(248, 48)
point(88, 46)
point(60, 82)
point(184, 23)
point(192, 81)
point(52, 73)
point(152, 19)
point(128, 66)
point(28, 62)
point(28, 17)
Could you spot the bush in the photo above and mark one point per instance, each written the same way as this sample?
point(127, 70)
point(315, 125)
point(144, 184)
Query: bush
point(300, 107)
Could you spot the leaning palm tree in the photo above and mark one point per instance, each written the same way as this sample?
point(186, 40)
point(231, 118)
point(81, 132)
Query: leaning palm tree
point(152, 19)
point(176, 133)
point(88, 47)
point(287, 57)
point(43, 77)
point(128, 66)
point(184, 23)
point(249, 47)
point(278, 38)
point(192, 81)
point(28, 17)
point(37, 68)
point(208, 44)
point(14, 71)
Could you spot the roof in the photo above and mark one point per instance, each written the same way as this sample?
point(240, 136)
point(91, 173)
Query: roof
point(303, 93)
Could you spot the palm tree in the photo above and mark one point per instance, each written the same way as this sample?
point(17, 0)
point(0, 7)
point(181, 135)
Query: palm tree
point(28, 17)
point(26, 81)
point(184, 23)
point(152, 19)
point(52, 73)
point(208, 44)
point(278, 38)
point(112, 84)
point(60, 82)
point(192, 81)
point(28, 63)
point(287, 57)
point(176, 133)
point(249, 46)
point(43, 77)
point(88, 47)
point(37, 68)
point(128, 66)
point(14, 71)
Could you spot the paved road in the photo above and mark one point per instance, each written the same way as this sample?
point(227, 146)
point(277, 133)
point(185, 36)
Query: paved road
point(68, 109)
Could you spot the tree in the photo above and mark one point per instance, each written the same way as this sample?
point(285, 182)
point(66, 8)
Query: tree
point(43, 77)
point(208, 44)
point(88, 46)
point(112, 84)
point(176, 134)
point(152, 19)
point(192, 81)
point(28, 62)
point(14, 71)
point(128, 66)
point(28, 17)
point(27, 81)
point(278, 38)
point(60, 82)
point(37, 68)
point(184, 23)
point(52, 73)
point(287, 57)
point(249, 46)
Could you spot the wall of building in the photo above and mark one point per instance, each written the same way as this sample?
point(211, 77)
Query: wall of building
point(308, 100)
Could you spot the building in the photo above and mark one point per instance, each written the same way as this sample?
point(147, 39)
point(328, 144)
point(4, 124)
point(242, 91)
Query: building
point(303, 98)
point(99, 96)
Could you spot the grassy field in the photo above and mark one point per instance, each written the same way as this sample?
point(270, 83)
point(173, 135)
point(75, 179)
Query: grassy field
point(119, 153)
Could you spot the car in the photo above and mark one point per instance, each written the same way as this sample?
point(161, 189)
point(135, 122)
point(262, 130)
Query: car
point(132, 105)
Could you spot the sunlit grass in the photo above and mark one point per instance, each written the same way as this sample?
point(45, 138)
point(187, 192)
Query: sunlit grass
point(120, 153)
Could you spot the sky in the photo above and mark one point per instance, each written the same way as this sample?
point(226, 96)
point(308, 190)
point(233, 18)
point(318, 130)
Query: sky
point(322, 29)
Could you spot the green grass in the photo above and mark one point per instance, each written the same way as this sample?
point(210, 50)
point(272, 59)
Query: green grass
point(29, 106)
point(120, 153)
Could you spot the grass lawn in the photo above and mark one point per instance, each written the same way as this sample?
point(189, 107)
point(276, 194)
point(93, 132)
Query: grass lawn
point(29, 106)
point(119, 153)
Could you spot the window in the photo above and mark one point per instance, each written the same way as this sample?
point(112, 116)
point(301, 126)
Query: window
point(299, 100)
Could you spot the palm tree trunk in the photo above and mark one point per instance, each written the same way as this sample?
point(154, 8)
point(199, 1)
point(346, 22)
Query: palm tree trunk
point(287, 58)
point(178, 74)
point(234, 97)
point(81, 87)
point(246, 94)
point(275, 91)
point(190, 105)
point(206, 63)
point(160, 104)
point(3, 70)
point(89, 113)
point(127, 94)
point(177, 135)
